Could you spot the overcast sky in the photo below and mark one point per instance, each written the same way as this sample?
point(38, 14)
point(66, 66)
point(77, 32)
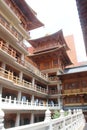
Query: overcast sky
point(56, 15)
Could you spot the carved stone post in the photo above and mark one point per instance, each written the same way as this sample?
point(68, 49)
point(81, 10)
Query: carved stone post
point(1, 120)
point(47, 115)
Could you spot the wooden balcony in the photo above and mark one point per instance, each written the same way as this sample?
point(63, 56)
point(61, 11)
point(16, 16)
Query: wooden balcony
point(53, 92)
point(7, 49)
point(9, 28)
point(14, 16)
point(72, 104)
point(16, 81)
point(46, 47)
point(84, 90)
point(72, 91)
point(13, 32)
point(16, 13)
point(36, 71)
point(11, 52)
point(53, 78)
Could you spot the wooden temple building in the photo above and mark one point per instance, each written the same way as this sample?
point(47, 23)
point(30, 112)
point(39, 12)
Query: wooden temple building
point(28, 81)
point(34, 78)
point(74, 88)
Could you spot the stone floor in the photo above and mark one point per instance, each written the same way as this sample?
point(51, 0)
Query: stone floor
point(85, 128)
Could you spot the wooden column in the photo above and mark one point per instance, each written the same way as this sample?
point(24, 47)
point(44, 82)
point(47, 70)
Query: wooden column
point(82, 100)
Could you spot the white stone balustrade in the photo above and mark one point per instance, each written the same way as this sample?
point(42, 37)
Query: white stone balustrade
point(1, 120)
point(72, 121)
point(8, 103)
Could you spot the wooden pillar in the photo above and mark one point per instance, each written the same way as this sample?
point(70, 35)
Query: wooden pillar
point(80, 85)
point(82, 100)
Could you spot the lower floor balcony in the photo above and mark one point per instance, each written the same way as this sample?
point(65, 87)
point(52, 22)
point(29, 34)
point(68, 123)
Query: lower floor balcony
point(74, 120)
point(9, 104)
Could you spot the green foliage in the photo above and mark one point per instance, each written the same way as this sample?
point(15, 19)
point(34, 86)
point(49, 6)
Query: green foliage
point(56, 114)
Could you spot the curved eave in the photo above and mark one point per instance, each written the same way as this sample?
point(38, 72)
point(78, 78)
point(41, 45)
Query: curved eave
point(67, 59)
point(56, 36)
point(64, 55)
point(32, 20)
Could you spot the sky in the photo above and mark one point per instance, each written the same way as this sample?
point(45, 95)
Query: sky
point(56, 15)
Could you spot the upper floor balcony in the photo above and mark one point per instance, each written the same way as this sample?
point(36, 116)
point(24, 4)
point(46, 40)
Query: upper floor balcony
point(36, 71)
point(53, 78)
point(10, 53)
point(7, 75)
point(14, 16)
point(75, 91)
point(12, 34)
point(47, 47)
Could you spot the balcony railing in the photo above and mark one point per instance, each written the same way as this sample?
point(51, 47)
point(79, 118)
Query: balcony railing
point(12, 52)
point(46, 47)
point(53, 91)
point(13, 31)
point(17, 13)
point(74, 120)
point(25, 104)
point(16, 80)
point(84, 90)
point(72, 91)
point(7, 49)
point(35, 70)
point(53, 78)
point(73, 104)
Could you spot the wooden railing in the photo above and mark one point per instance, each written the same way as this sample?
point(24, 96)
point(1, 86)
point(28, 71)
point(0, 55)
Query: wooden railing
point(13, 31)
point(17, 13)
point(73, 104)
point(72, 91)
point(16, 80)
point(53, 91)
point(36, 71)
point(45, 47)
point(7, 49)
point(53, 78)
point(29, 66)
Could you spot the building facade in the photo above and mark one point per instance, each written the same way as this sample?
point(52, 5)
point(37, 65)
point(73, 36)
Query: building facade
point(74, 88)
point(28, 81)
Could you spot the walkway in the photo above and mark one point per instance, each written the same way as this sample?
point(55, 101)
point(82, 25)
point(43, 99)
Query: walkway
point(85, 128)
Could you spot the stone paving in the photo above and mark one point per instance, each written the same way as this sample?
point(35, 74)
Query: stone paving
point(85, 128)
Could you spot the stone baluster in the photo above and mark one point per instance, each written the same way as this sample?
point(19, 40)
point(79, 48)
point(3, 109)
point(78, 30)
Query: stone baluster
point(48, 119)
point(9, 99)
point(1, 120)
point(61, 113)
point(47, 115)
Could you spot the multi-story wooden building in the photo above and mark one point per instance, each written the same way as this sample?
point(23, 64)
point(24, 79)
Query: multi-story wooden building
point(28, 82)
point(74, 88)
